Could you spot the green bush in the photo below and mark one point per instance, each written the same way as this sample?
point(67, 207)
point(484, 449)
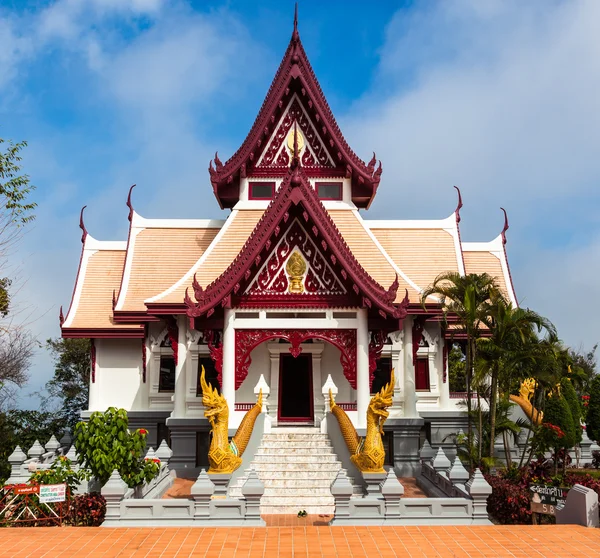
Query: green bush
point(593, 411)
point(570, 395)
point(104, 444)
point(60, 472)
point(557, 412)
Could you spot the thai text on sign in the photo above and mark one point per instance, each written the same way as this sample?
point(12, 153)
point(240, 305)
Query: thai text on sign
point(53, 492)
point(547, 499)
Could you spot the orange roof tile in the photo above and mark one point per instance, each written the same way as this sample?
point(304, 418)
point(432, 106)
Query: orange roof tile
point(485, 262)
point(219, 255)
point(161, 256)
point(368, 254)
point(420, 253)
point(102, 276)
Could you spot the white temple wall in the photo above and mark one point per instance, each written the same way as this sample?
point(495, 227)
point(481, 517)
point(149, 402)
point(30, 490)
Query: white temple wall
point(118, 375)
point(330, 364)
point(260, 365)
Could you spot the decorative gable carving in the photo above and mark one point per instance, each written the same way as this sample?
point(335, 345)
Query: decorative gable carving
point(319, 279)
point(313, 152)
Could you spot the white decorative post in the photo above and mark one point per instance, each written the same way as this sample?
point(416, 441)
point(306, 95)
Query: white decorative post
point(266, 390)
point(228, 373)
point(362, 368)
point(410, 396)
point(397, 338)
point(328, 385)
point(180, 379)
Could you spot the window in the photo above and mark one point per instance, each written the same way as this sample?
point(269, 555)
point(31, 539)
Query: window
point(382, 374)
point(262, 190)
point(166, 380)
point(422, 374)
point(210, 373)
point(329, 190)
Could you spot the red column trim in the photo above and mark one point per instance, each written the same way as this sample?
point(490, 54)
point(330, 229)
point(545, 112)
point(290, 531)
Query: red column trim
point(248, 339)
point(378, 339)
point(144, 360)
point(93, 359)
point(216, 352)
point(173, 333)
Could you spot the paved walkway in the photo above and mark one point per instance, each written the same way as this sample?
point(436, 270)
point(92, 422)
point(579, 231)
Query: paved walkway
point(296, 542)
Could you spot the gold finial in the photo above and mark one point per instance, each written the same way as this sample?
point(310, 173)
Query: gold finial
point(299, 139)
point(296, 268)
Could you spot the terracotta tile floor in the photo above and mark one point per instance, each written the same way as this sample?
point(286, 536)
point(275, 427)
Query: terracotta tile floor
point(301, 542)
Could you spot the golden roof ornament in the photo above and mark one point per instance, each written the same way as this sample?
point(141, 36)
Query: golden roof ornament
point(290, 140)
point(296, 268)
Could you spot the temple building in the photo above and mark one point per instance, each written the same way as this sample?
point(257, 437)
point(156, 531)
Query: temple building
point(294, 288)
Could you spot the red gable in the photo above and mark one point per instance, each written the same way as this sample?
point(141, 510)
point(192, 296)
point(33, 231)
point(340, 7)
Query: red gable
point(295, 96)
point(297, 216)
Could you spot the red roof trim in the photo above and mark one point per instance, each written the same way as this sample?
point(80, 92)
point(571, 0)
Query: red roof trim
point(503, 233)
point(102, 333)
point(294, 190)
point(295, 64)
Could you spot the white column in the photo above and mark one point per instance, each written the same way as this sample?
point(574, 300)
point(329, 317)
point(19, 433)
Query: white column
point(444, 386)
point(274, 384)
point(410, 396)
point(397, 338)
point(362, 368)
point(228, 373)
point(180, 375)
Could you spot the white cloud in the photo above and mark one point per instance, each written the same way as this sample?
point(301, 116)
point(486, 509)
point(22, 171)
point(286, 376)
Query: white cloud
point(501, 99)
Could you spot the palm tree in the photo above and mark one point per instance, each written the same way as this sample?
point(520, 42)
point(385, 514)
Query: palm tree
point(467, 298)
point(511, 328)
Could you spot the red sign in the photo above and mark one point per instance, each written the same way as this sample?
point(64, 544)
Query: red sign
point(26, 488)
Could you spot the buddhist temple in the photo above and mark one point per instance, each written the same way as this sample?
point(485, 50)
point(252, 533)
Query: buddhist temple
point(294, 291)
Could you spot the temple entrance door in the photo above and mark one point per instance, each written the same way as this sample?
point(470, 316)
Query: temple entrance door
point(295, 389)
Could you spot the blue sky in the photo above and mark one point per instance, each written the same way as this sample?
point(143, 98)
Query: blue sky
point(497, 96)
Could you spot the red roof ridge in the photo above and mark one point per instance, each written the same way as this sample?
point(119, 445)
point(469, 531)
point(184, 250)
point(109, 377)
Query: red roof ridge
point(295, 64)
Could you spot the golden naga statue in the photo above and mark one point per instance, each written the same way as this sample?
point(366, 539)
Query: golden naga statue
point(368, 453)
point(225, 456)
point(523, 400)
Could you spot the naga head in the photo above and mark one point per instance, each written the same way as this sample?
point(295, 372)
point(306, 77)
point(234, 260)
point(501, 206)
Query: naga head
point(214, 403)
point(381, 401)
point(527, 389)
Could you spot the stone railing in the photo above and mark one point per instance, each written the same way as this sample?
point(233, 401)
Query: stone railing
point(36, 459)
point(198, 510)
point(386, 506)
point(458, 499)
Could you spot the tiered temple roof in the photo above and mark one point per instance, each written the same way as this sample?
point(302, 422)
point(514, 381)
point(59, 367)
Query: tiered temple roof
point(197, 267)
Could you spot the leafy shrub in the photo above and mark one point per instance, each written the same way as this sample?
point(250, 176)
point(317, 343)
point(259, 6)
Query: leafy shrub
point(572, 400)
point(60, 472)
point(87, 510)
point(509, 501)
point(104, 444)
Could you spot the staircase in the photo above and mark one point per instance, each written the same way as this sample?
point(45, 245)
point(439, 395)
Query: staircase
point(297, 467)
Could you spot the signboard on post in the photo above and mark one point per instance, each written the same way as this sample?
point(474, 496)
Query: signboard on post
point(53, 492)
point(547, 499)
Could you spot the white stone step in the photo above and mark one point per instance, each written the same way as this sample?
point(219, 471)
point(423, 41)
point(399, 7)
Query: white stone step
point(296, 430)
point(298, 492)
point(295, 458)
point(293, 510)
point(295, 437)
point(294, 445)
point(299, 502)
point(282, 467)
